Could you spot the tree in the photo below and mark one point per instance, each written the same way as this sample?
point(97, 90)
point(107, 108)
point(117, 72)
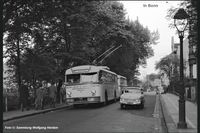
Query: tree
point(136, 49)
point(169, 65)
point(57, 35)
point(166, 63)
point(17, 34)
point(146, 84)
point(191, 8)
point(153, 76)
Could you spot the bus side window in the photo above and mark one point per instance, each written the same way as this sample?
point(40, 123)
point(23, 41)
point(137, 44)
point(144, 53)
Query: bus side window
point(102, 77)
point(77, 81)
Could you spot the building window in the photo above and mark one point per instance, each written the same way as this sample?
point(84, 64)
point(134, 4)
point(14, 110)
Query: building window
point(191, 71)
point(194, 71)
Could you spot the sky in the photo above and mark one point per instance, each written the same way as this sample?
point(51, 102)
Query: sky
point(153, 15)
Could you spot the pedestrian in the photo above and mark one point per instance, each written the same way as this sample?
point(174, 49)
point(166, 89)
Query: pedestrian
point(52, 94)
point(44, 93)
point(62, 93)
point(39, 97)
point(60, 83)
point(24, 96)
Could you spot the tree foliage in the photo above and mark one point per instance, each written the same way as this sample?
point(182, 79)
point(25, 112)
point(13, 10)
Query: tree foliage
point(153, 76)
point(166, 63)
point(190, 7)
point(56, 35)
point(170, 65)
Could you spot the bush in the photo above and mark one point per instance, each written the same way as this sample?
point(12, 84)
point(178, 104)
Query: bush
point(12, 101)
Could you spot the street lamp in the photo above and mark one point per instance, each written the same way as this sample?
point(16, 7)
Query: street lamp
point(180, 22)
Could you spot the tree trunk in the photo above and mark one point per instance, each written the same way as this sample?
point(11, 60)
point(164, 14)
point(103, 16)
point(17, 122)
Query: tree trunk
point(67, 38)
point(34, 85)
point(18, 71)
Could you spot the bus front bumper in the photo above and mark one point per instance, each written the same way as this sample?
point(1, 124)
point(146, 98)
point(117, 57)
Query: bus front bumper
point(83, 100)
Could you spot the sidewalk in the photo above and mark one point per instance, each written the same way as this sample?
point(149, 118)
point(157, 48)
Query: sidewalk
point(171, 113)
point(16, 114)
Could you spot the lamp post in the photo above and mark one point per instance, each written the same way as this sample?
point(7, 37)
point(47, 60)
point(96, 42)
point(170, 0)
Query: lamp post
point(180, 22)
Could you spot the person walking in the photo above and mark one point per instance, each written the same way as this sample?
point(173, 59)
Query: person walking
point(39, 97)
point(62, 93)
point(24, 92)
point(52, 94)
point(45, 93)
point(58, 96)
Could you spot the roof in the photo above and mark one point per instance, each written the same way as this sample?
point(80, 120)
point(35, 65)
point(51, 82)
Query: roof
point(120, 76)
point(133, 87)
point(87, 69)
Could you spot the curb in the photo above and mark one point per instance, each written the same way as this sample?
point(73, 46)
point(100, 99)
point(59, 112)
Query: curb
point(171, 126)
point(156, 115)
point(36, 113)
point(162, 117)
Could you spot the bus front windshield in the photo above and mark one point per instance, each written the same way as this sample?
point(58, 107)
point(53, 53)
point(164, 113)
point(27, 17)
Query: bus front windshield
point(82, 78)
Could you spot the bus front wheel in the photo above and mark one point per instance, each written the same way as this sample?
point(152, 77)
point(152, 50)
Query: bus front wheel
point(115, 97)
point(122, 106)
point(106, 99)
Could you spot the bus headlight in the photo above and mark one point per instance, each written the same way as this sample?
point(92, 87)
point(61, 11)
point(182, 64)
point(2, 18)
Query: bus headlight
point(93, 92)
point(137, 100)
point(122, 100)
point(69, 100)
point(69, 93)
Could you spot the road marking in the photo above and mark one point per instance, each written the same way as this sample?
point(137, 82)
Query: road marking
point(193, 126)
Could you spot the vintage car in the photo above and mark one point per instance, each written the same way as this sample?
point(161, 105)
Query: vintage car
point(132, 96)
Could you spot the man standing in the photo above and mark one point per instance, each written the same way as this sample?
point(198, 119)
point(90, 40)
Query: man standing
point(62, 93)
point(24, 92)
point(39, 97)
point(58, 90)
point(52, 94)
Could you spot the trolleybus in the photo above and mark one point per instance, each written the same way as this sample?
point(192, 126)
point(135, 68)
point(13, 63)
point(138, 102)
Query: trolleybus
point(90, 84)
point(122, 83)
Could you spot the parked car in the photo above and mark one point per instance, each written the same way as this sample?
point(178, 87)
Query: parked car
point(132, 96)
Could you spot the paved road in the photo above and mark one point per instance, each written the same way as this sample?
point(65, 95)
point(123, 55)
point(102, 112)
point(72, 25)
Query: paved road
point(108, 118)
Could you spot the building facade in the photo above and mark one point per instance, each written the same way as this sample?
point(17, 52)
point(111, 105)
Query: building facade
point(190, 67)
